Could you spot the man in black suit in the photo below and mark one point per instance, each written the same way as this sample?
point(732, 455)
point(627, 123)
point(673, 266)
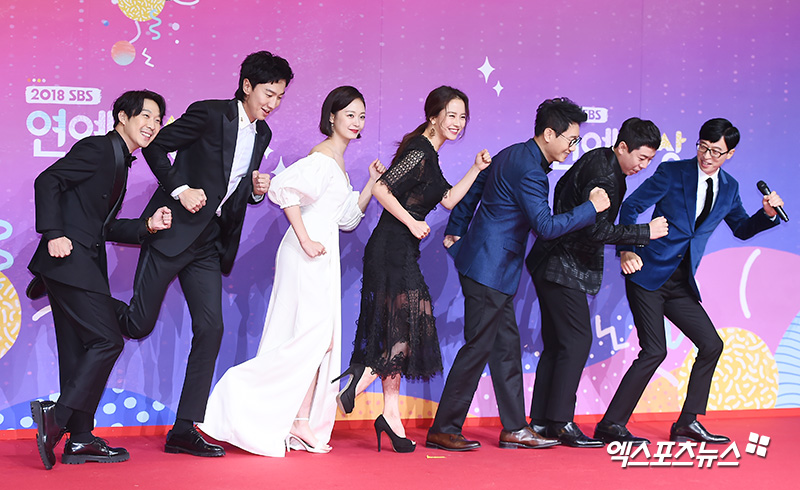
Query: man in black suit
point(220, 145)
point(566, 269)
point(77, 200)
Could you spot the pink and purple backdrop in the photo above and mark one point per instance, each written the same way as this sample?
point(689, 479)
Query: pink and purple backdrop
point(678, 63)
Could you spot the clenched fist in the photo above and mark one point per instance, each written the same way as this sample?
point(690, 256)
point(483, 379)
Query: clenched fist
point(192, 199)
point(260, 183)
point(600, 199)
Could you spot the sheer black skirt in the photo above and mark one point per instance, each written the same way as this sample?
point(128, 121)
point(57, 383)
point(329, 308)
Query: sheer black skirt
point(396, 331)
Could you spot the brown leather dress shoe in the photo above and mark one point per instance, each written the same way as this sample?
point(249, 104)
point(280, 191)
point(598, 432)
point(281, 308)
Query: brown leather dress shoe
point(525, 438)
point(450, 442)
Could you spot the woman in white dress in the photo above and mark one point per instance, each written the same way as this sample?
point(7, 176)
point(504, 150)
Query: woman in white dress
point(282, 398)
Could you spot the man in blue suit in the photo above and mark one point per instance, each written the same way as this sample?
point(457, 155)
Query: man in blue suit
point(513, 201)
point(694, 196)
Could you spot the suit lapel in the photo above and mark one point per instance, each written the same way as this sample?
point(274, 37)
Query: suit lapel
point(230, 130)
point(258, 144)
point(690, 190)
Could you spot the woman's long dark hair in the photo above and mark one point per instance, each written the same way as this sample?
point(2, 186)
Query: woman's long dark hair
point(436, 102)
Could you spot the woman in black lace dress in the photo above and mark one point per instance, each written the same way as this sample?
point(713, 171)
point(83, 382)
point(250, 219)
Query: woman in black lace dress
point(396, 332)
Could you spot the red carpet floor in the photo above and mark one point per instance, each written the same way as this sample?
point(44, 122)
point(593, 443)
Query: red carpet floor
point(354, 463)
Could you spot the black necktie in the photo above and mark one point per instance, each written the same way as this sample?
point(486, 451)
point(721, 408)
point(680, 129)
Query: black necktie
point(707, 205)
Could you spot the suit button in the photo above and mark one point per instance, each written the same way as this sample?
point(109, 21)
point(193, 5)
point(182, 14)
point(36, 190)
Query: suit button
point(680, 256)
point(105, 196)
point(97, 245)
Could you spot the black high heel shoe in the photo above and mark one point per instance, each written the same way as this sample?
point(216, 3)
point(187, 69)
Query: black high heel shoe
point(346, 399)
point(399, 444)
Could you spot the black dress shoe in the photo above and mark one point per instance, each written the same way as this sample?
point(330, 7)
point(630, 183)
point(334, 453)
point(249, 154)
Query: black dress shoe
point(695, 432)
point(35, 289)
point(570, 435)
point(610, 432)
point(539, 429)
point(48, 433)
point(450, 442)
point(96, 451)
point(525, 438)
point(191, 442)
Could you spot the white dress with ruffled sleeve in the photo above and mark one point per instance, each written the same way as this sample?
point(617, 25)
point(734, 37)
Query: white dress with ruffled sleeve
point(254, 403)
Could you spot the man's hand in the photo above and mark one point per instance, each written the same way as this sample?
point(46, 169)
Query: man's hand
point(630, 262)
point(770, 202)
point(192, 199)
point(161, 219)
point(600, 199)
point(260, 183)
point(658, 227)
point(59, 247)
point(449, 240)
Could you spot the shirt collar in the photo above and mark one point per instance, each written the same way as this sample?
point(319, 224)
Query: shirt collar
point(126, 155)
point(702, 176)
point(546, 166)
point(244, 119)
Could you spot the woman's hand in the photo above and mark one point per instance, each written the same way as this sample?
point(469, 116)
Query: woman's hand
point(376, 169)
point(313, 249)
point(483, 159)
point(419, 229)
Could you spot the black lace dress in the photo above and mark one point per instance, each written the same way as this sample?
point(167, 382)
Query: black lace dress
point(396, 330)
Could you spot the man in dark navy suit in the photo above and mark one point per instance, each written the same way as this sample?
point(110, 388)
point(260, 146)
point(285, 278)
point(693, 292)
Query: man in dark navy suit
point(513, 201)
point(77, 201)
point(220, 145)
point(694, 196)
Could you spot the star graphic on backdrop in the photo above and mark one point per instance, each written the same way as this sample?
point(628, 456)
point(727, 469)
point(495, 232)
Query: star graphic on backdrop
point(486, 69)
point(498, 88)
point(280, 168)
point(267, 152)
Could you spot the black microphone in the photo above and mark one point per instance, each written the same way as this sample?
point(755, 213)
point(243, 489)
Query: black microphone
point(764, 188)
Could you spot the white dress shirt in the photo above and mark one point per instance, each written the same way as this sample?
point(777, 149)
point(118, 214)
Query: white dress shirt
point(245, 139)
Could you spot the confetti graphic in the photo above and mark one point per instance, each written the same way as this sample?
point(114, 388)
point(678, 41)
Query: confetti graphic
point(141, 10)
point(152, 28)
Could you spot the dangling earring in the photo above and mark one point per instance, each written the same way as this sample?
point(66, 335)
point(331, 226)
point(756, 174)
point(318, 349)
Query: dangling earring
point(432, 132)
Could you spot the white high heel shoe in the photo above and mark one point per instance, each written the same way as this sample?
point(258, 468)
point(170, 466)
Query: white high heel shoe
point(297, 443)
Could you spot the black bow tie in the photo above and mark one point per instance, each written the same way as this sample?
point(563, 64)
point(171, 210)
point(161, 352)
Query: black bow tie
point(129, 159)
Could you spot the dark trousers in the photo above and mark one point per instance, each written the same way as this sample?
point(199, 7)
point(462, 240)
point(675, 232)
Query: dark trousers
point(491, 335)
point(89, 342)
point(675, 300)
point(567, 337)
point(198, 270)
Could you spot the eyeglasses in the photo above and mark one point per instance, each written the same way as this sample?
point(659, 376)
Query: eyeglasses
point(572, 141)
point(703, 149)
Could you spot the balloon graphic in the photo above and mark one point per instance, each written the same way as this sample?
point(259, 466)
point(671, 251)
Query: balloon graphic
point(123, 53)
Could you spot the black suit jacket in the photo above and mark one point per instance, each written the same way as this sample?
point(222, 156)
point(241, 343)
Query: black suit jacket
point(575, 260)
point(73, 199)
point(205, 139)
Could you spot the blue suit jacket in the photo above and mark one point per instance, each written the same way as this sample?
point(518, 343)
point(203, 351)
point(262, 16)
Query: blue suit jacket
point(673, 191)
point(512, 194)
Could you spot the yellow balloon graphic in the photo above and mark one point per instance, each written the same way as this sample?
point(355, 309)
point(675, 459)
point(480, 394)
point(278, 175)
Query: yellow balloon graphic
point(141, 10)
point(746, 377)
point(10, 314)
